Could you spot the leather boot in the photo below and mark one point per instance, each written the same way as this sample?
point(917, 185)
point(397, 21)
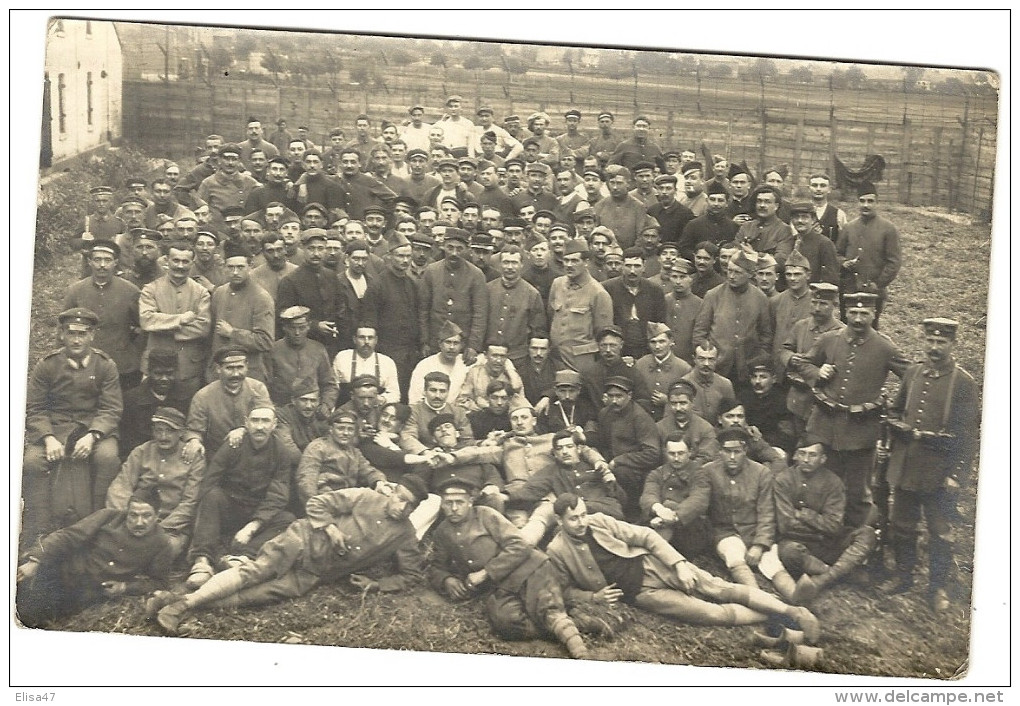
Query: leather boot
point(566, 632)
point(940, 559)
point(853, 556)
point(905, 551)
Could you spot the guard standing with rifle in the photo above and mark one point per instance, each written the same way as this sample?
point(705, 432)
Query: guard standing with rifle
point(934, 420)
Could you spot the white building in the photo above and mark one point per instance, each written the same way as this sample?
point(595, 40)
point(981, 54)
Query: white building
point(82, 93)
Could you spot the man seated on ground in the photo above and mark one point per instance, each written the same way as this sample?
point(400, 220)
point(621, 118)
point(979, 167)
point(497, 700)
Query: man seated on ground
point(711, 387)
point(299, 419)
point(449, 360)
point(676, 497)
point(332, 542)
point(741, 509)
point(333, 462)
point(416, 437)
point(732, 414)
point(626, 434)
point(217, 412)
point(110, 553)
point(811, 541)
point(157, 389)
point(243, 497)
point(764, 403)
point(571, 409)
point(478, 551)
point(494, 365)
point(574, 470)
point(604, 560)
point(493, 420)
point(297, 357)
point(158, 463)
point(480, 474)
point(364, 359)
point(698, 434)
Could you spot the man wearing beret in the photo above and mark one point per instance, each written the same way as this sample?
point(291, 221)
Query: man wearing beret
point(73, 407)
point(812, 244)
point(935, 438)
point(741, 206)
point(454, 290)
point(110, 553)
point(478, 551)
point(175, 312)
point(637, 148)
point(228, 187)
point(158, 463)
point(332, 542)
point(621, 212)
point(735, 317)
point(869, 250)
point(115, 302)
point(851, 366)
point(767, 233)
point(671, 215)
point(318, 289)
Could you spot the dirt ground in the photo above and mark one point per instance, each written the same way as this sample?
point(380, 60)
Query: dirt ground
point(866, 632)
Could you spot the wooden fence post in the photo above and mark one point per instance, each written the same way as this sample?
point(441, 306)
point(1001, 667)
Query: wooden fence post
point(833, 130)
point(977, 171)
point(936, 164)
point(798, 143)
point(905, 161)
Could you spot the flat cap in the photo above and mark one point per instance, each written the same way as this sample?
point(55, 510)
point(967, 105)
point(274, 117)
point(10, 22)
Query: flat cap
point(643, 166)
point(173, 418)
point(97, 190)
point(824, 290)
point(691, 167)
point(619, 381)
point(458, 234)
point(683, 266)
point(343, 415)
point(616, 170)
point(573, 113)
point(611, 330)
point(568, 378)
point(224, 354)
point(665, 179)
point(538, 167)
point(576, 245)
point(683, 387)
point(104, 245)
point(294, 312)
point(229, 149)
point(415, 485)
point(314, 234)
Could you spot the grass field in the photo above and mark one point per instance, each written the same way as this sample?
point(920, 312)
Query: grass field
point(945, 272)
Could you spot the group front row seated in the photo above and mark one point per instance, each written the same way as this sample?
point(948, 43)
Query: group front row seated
point(266, 503)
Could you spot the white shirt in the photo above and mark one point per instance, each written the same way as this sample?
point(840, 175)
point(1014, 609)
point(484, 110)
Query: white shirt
point(376, 364)
point(457, 372)
point(416, 138)
point(360, 284)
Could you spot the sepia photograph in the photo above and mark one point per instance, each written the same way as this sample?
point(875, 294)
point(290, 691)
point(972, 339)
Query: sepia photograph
point(498, 349)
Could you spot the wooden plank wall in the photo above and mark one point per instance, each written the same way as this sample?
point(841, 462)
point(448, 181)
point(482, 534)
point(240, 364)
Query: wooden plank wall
point(939, 151)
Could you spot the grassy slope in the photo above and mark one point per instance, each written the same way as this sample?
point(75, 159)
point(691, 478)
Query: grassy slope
point(945, 272)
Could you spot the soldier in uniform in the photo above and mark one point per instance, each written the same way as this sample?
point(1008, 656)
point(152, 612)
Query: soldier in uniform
point(935, 440)
point(851, 366)
point(73, 409)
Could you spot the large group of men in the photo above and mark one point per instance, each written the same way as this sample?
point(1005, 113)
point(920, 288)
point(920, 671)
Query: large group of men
point(575, 365)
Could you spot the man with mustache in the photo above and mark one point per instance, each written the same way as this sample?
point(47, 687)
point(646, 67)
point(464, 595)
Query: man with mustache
point(935, 440)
